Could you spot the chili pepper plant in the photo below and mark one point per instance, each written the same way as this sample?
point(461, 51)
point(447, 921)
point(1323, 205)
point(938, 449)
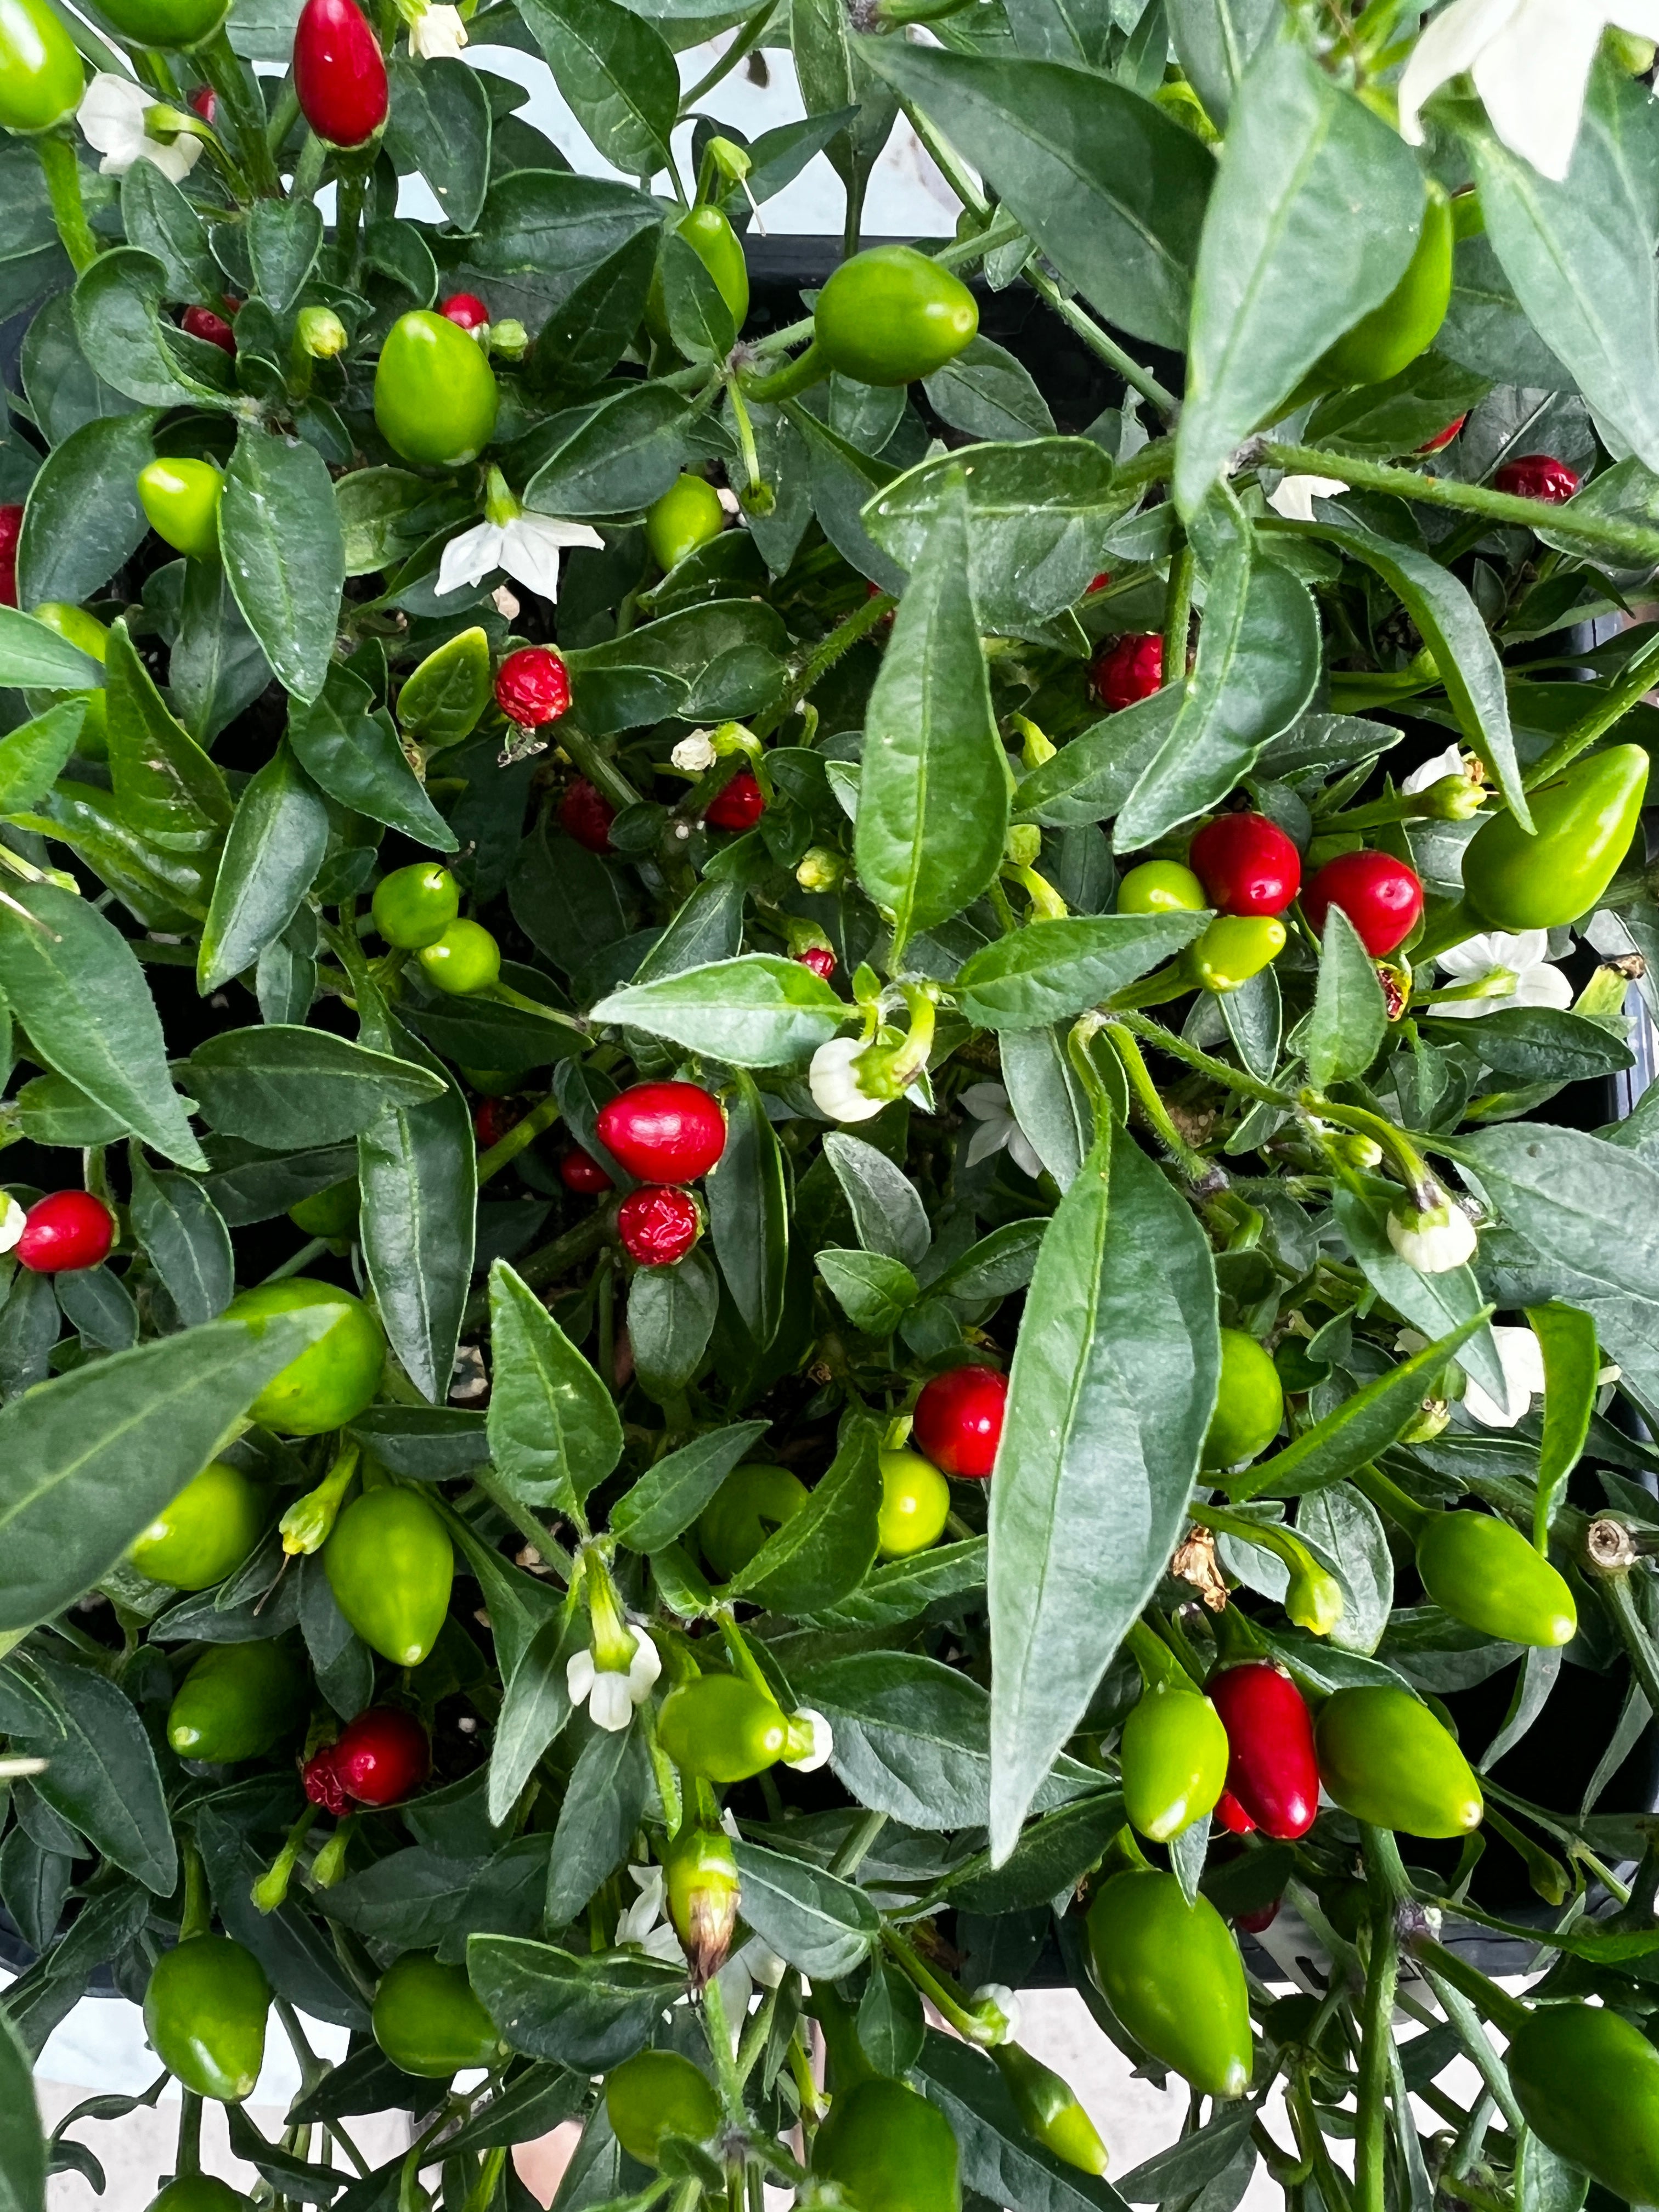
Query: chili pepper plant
point(814, 1205)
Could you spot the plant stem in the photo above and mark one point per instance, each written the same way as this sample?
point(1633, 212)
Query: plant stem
point(1178, 614)
point(824, 655)
point(852, 1853)
point(1193, 1165)
point(961, 250)
point(62, 169)
point(949, 163)
point(597, 766)
point(296, 1261)
point(517, 1139)
point(248, 121)
point(188, 2157)
point(1376, 2030)
point(549, 1262)
point(1594, 532)
point(748, 35)
point(1232, 1079)
point(1137, 378)
point(1638, 1645)
point(1637, 677)
point(718, 2029)
point(308, 169)
point(283, 116)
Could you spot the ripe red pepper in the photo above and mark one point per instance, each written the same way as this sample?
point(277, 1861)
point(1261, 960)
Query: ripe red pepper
point(820, 959)
point(1381, 897)
point(205, 102)
point(1247, 864)
point(11, 525)
point(1098, 583)
point(663, 1132)
point(958, 1420)
point(1273, 1772)
point(580, 1170)
point(1232, 1815)
point(739, 806)
point(1538, 476)
point(203, 323)
point(587, 815)
point(1439, 442)
point(66, 1231)
point(658, 1225)
point(1128, 669)
point(492, 1120)
point(339, 72)
point(466, 310)
point(532, 686)
point(379, 1758)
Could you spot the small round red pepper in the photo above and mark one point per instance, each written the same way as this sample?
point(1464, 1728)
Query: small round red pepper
point(958, 1420)
point(379, 1758)
point(1381, 897)
point(205, 102)
point(64, 1232)
point(820, 959)
point(587, 815)
point(532, 686)
point(1538, 476)
point(580, 1170)
point(1128, 669)
point(1247, 864)
point(203, 323)
point(339, 72)
point(658, 1225)
point(492, 1120)
point(1273, 1770)
point(466, 310)
point(739, 806)
point(663, 1132)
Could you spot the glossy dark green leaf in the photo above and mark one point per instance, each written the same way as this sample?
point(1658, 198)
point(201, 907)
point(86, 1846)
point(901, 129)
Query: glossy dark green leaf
point(72, 978)
point(757, 1011)
point(284, 238)
point(671, 1318)
point(189, 1246)
point(871, 1290)
point(440, 701)
point(610, 1784)
point(288, 1088)
point(749, 1213)
point(616, 72)
point(1215, 42)
point(586, 2013)
point(54, 1112)
point(834, 74)
point(1048, 1099)
point(621, 455)
point(159, 219)
point(828, 1547)
point(354, 756)
point(668, 1496)
point(1436, 1305)
point(96, 1302)
point(166, 787)
point(553, 1429)
point(1112, 1387)
point(285, 555)
point(564, 898)
point(578, 254)
point(888, 1214)
point(277, 842)
point(1572, 1366)
point(33, 757)
point(699, 320)
point(439, 124)
point(816, 1922)
point(217, 667)
point(1051, 970)
point(1301, 154)
point(1090, 777)
point(985, 391)
point(535, 1707)
point(1586, 1205)
point(1542, 1044)
point(118, 302)
point(59, 382)
point(1350, 1019)
point(82, 518)
point(103, 1775)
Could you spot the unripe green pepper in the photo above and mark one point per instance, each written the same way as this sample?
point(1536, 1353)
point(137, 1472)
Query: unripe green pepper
point(236, 1701)
point(435, 392)
point(1585, 819)
point(889, 2150)
point(1160, 887)
point(176, 26)
point(1048, 2105)
point(414, 906)
point(328, 1213)
point(1385, 1759)
point(1250, 1402)
point(209, 1528)
point(688, 515)
point(656, 2094)
point(890, 316)
point(92, 637)
point(1587, 2082)
point(1173, 1760)
point(204, 2014)
point(429, 2022)
point(200, 2192)
point(1235, 947)
point(391, 1566)
point(753, 1503)
point(723, 1728)
point(717, 246)
point(1483, 1570)
point(699, 1871)
point(916, 1505)
point(1171, 1972)
point(1380, 344)
point(41, 76)
point(464, 960)
point(331, 1382)
point(180, 499)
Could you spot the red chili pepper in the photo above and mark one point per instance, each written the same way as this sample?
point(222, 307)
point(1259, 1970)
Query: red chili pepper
point(739, 805)
point(580, 1170)
point(1254, 1924)
point(69, 1231)
point(658, 1225)
point(339, 72)
point(11, 525)
point(1128, 669)
point(466, 310)
point(1247, 864)
point(492, 1120)
point(1443, 439)
point(379, 1758)
point(663, 1132)
point(1538, 476)
point(587, 815)
point(820, 959)
point(958, 1420)
point(1272, 1771)
point(203, 323)
point(532, 686)
point(1098, 583)
point(1232, 1815)
point(322, 1784)
point(1381, 897)
point(205, 102)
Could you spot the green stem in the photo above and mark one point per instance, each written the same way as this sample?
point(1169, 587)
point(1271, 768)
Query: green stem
point(541, 1539)
point(1137, 378)
point(348, 206)
point(1389, 1498)
point(718, 2029)
point(748, 35)
point(755, 2035)
point(188, 2157)
point(745, 430)
point(1178, 614)
point(283, 116)
point(1636, 677)
point(1495, 2004)
point(1377, 2021)
point(597, 766)
point(948, 161)
point(1596, 532)
point(962, 251)
point(1395, 1142)
point(1638, 1645)
point(505, 995)
point(853, 1852)
point(946, 2000)
point(517, 1139)
point(296, 1261)
point(1193, 1165)
point(197, 1916)
point(549, 1262)
point(824, 655)
point(807, 368)
point(247, 120)
point(62, 170)
point(1232, 1079)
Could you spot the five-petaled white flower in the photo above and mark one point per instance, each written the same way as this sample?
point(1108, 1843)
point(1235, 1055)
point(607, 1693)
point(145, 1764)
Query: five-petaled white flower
point(1433, 771)
point(644, 1921)
point(112, 114)
point(1530, 60)
point(608, 1692)
point(998, 1130)
point(437, 34)
point(527, 546)
point(1522, 1357)
point(1522, 954)
point(1295, 494)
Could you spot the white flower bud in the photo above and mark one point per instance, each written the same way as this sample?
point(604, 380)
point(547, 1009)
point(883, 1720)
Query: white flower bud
point(1433, 1239)
point(695, 755)
point(812, 1732)
point(833, 1078)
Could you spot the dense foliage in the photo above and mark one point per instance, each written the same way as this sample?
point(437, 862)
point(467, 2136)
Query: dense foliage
point(786, 1235)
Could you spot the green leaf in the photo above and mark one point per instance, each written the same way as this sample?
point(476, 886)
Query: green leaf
point(1433, 1303)
point(871, 1290)
point(535, 1708)
point(88, 1459)
point(31, 758)
point(1258, 662)
point(816, 1922)
point(749, 1213)
point(1112, 1387)
point(899, 1591)
point(828, 1547)
point(287, 1088)
point(32, 657)
point(616, 457)
point(553, 1429)
point(1053, 1855)
point(1051, 970)
point(1301, 154)
point(118, 302)
point(579, 253)
point(1361, 1426)
point(757, 1011)
point(671, 1318)
point(834, 74)
point(934, 786)
point(284, 238)
point(700, 322)
point(609, 1786)
point(1090, 777)
point(277, 839)
point(102, 1776)
point(1588, 1206)
point(1215, 42)
point(585, 2013)
point(888, 1214)
point(619, 75)
point(1350, 1018)
point(354, 756)
point(997, 2150)
point(668, 1496)
point(439, 124)
point(166, 787)
point(187, 1242)
point(1571, 1370)
point(989, 394)
point(217, 667)
point(442, 699)
point(73, 981)
point(1111, 188)
point(82, 518)
point(1539, 1044)
point(158, 219)
point(22, 2146)
point(53, 1112)
point(284, 553)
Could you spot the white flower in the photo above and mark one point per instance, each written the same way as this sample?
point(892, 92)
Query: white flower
point(642, 1922)
point(1433, 1238)
point(822, 1741)
point(1521, 954)
point(998, 1130)
point(12, 1217)
point(112, 116)
point(527, 546)
point(1530, 60)
point(437, 35)
point(999, 2008)
point(1295, 494)
point(1450, 762)
point(762, 1963)
point(834, 1082)
point(609, 1693)
point(695, 754)
point(1522, 1359)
